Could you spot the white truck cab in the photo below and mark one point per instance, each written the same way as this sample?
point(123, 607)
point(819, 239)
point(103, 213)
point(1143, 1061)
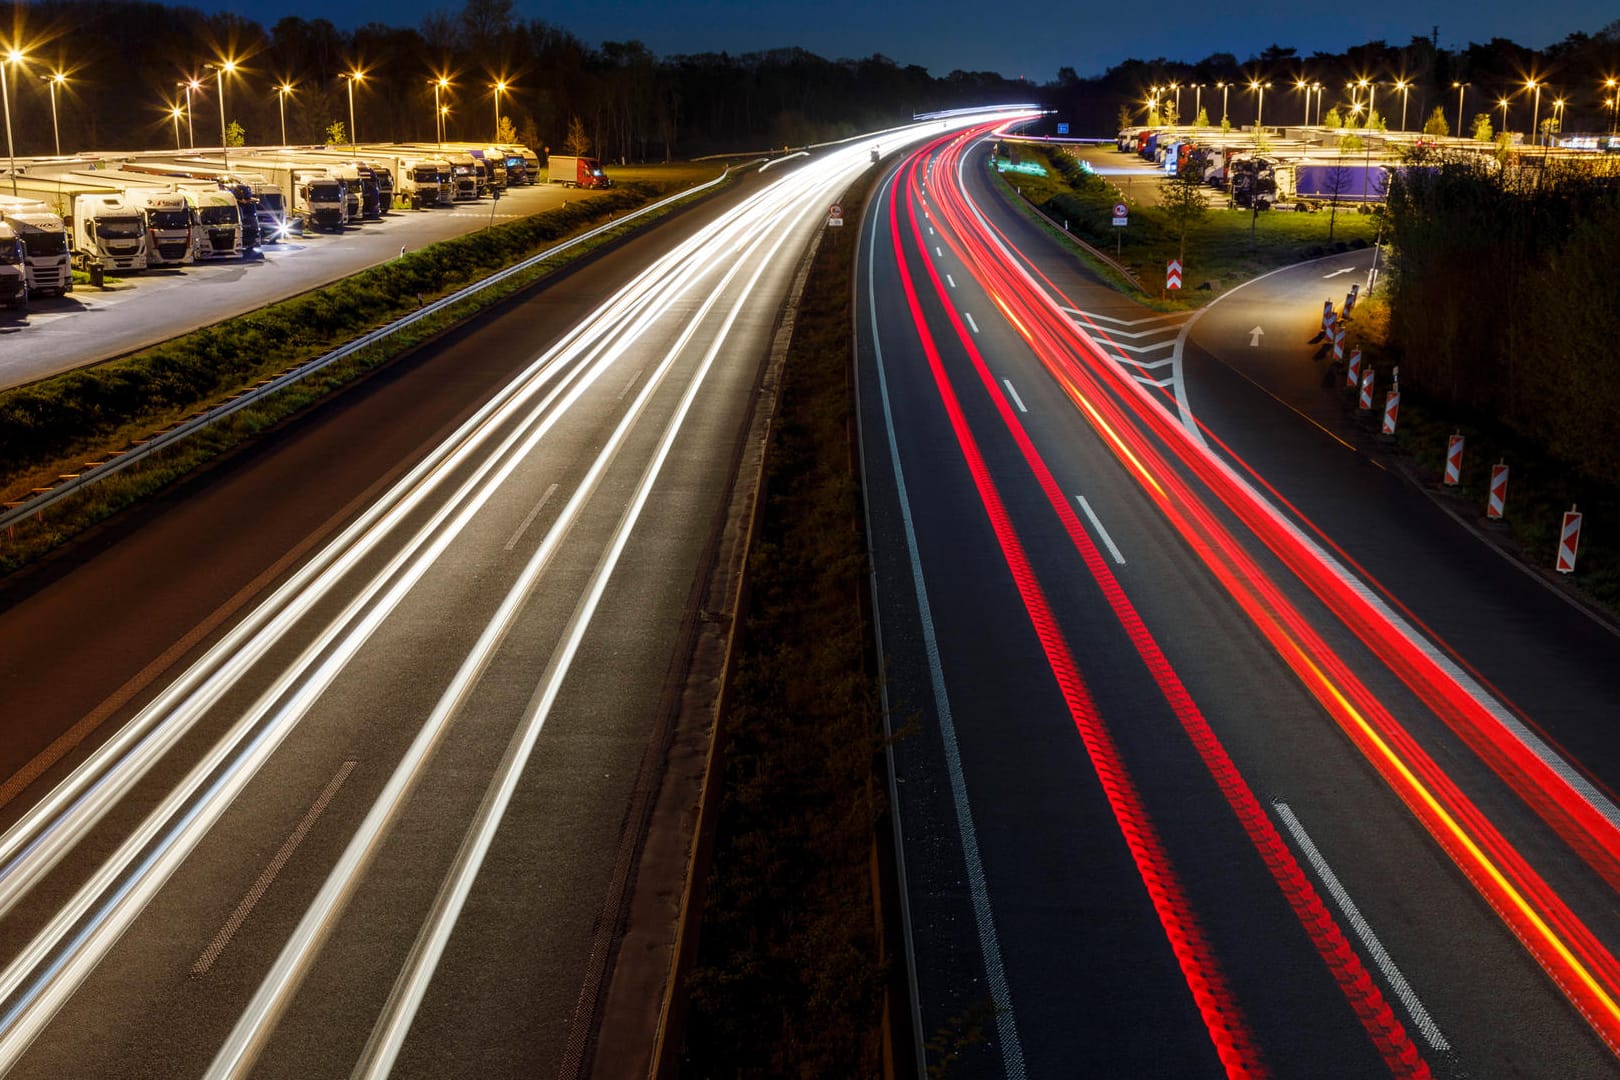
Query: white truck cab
point(218, 233)
point(13, 274)
point(170, 224)
point(45, 245)
point(110, 230)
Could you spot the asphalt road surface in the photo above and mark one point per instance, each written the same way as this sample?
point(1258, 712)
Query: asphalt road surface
point(323, 763)
point(1186, 786)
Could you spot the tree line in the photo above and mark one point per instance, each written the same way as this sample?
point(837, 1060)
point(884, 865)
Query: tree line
point(125, 82)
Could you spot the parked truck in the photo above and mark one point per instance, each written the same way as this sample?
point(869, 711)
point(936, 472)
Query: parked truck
point(1342, 181)
point(169, 225)
point(426, 182)
point(13, 270)
point(572, 171)
point(47, 261)
point(109, 230)
point(218, 214)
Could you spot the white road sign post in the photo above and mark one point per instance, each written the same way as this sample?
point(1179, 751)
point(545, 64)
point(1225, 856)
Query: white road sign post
point(835, 214)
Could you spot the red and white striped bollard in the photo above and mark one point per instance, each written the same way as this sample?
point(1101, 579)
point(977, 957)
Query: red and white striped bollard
point(1454, 452)
point(1365, 404)
point(1352, 374)
point(1496, 505)
point(1569, 540)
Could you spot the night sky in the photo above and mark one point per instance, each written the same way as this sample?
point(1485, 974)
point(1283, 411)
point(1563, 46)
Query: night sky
point(1015, 40)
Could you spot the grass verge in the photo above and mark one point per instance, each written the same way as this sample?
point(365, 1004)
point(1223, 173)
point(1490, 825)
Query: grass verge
point(1225, 249)
point(789, 976)
point(54, 426)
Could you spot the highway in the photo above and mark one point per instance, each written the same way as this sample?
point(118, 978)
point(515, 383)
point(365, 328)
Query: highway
point(1221, 751)
point(329, 763)
point(90, 325)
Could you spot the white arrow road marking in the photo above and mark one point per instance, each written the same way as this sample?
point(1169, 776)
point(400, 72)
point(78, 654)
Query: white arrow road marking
point(1254, 337)
point(1336, 273)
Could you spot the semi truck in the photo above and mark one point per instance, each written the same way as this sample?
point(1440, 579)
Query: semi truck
point(572, 171)
point(13, 270)
point(426, 181)
point(109, 230)
point(1342, 181)
point(47, 261)
point(218, 214)
point(169, 225)
point(239, 189)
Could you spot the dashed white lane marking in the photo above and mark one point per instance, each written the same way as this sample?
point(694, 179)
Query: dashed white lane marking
point(970, 321)
point(1097, 524)
point(234, 923)
point(521, 529)
point(633, 380)
point(950, 280)
point(1016, 400)
point(938, 252)
point(1369, 940)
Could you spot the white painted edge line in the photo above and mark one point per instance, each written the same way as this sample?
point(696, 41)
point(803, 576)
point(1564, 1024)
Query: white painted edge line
point(529, 520)
point(1012, 1049)
point(630, 384)
point(1096, 523)
point(968, 316)
point(1369, 940)
point(950, 280)
point(1016, 400)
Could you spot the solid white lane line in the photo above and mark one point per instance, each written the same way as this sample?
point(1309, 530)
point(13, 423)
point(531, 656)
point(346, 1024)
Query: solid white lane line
point(1016, 400)
point(1369, 940)
point(254, 894)
point(970, 321)
point(951, 280)
point(1012, 1049)
point(1097, 524)
point(529, 520)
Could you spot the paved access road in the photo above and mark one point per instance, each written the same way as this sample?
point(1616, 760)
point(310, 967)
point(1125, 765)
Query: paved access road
point(90, 325)
point(1183, 791)
point(335, 760)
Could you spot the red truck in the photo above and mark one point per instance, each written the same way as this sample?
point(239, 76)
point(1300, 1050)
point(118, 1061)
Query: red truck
point(573, 171)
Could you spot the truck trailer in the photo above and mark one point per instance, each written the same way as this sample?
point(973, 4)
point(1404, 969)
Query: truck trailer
point(572, 171)
point(13, 270)
point(47, 260)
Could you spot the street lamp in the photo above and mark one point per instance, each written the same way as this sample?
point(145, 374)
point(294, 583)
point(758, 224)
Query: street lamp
point(55, 79)
point(500, 86)
point(1372, 99)
point(444, 123)
point(1460, 87)
point(1613, 87)
point(441, 83)
point(1502, 103)
point(1198, 100)
point(1405, 88)
point(352, 77)
point(14, 57)
point(220, 70)
point(281, 105)
point(188, 86)
point(1318, 88)
point(175, 112)
point(1225, 89)
point(1305, 93)
point(1177, 88)
point(1535, 114)
point(1260, 110)
point(1558, 116)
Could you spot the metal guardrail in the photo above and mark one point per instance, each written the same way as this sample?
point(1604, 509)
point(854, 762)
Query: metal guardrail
point(117, 461)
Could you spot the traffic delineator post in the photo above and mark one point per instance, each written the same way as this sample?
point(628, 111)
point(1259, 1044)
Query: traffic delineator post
point(1569, 540)
point(1496, 504)
point(1454, 452)
point(1392, 408)
point(1338, 342)
point(1352, 374)
point(1172, 274)
point(1327, 316)
point(1365, 404)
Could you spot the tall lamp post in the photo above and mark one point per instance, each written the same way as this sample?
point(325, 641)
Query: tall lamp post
point(1225, 88)
point(12, 57)
point(1502, 103)
point(55, 79)
point(500, 87)
point(1405, 88)
point(352, 77)
point(1177, 88)
point(1535, 114)
point(1613, 87)
point(1198, 101)
point(1318, 88)
point(1305, 92)
point(175, 113)
point(1260, 109)
point(188, 86)
point(1460, 87)
point(221, 70)
point(281, 106)
point(1558, 117)
point(444, 123)
point(441, 83)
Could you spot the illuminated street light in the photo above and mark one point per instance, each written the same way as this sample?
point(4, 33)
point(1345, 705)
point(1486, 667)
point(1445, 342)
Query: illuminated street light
point(1502, 103)
point(220, 70)
point(1177, 88)
point(441, 83)
point(1558, 117)
point(444, 123)
point(1198, 100)
point(175, 112)
point(1535, 114)
point(500, 87)
point(1260, 110)
point(55, 79)
point(1225, 89)
point(1372, 100)
point(352, 77)
point(1318, 88)
point(13, 57)
point(1460, 87)
point(281, 104)
point(1613, 87)
point(188, 86)
point(1405, 88)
